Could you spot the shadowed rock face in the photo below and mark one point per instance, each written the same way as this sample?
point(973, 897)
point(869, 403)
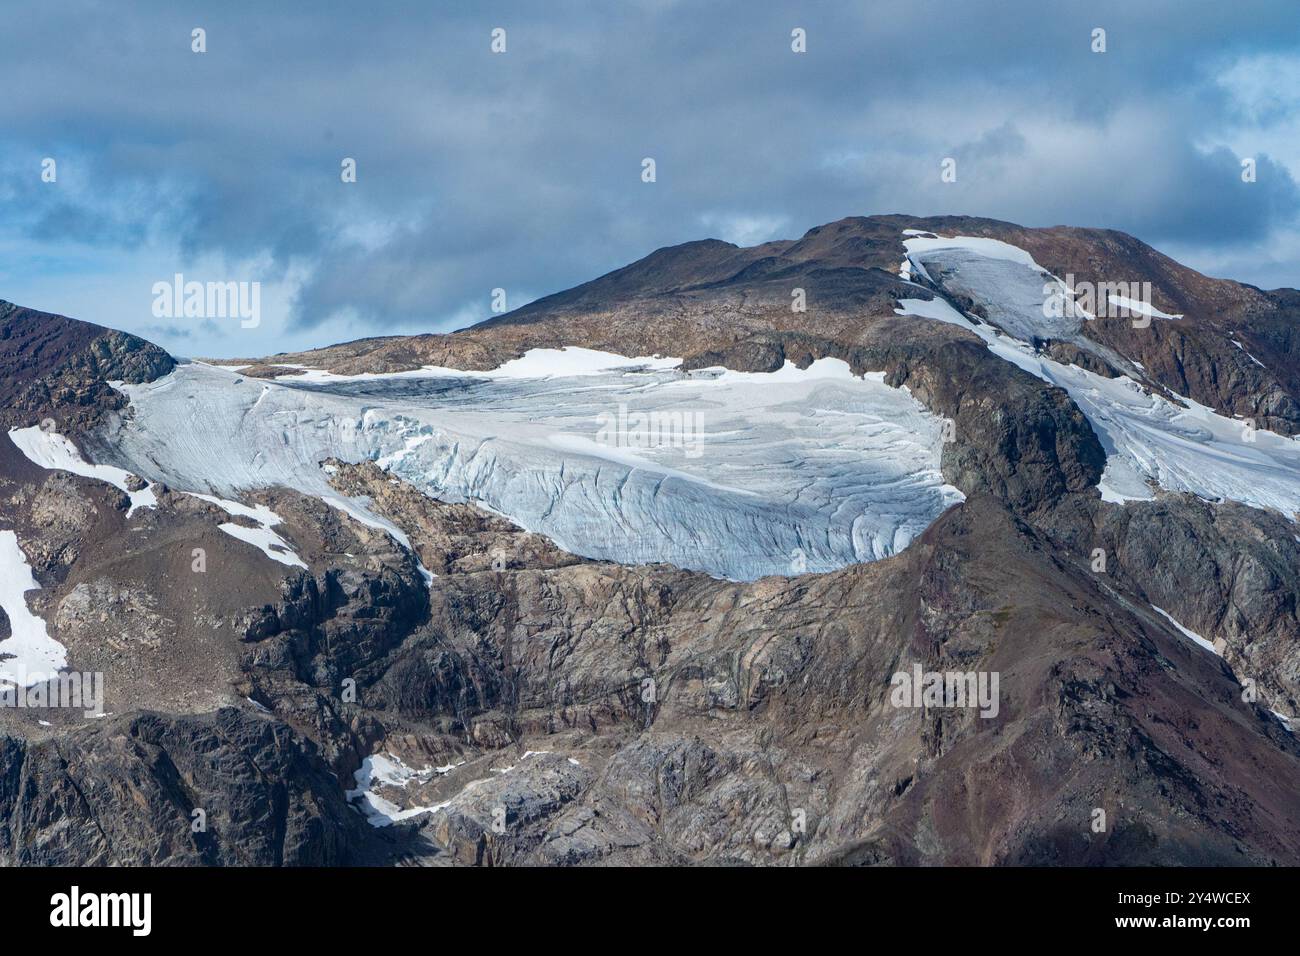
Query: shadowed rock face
point(124, 792)
point(553, 710)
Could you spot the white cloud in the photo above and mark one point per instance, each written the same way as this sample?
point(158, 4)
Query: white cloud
point(745, 230)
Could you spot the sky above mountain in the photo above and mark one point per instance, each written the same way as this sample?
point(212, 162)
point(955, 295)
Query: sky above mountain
point(522, 170)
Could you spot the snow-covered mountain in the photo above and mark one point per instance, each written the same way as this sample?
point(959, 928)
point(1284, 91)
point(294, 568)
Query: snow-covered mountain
point(739, 474)
point(597, 560)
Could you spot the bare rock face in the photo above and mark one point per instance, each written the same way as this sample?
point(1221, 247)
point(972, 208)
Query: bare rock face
point(1226, 571)
point(125, 792)
point(118, 616)
point(473, 820)
point(586, 712)
point(454, 538)
point(64, 517)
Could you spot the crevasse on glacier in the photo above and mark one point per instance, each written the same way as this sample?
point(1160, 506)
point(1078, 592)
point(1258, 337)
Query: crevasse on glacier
point(739, 475)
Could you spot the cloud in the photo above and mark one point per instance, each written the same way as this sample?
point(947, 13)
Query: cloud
point(522, 171)
point(744, 229)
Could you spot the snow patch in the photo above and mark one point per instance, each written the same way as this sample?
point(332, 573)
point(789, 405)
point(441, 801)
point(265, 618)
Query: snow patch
point(567, 362)
point(1248, 355)
point(819, 370)
point(388, 770)
point(50, 450)
point(1208, 645)
point(265, 540)
point(1142, 308)
point(29, 654)
point(261, 537)
point(574, 361)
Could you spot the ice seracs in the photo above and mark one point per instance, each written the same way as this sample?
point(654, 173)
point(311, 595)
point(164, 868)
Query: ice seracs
point(623, 459)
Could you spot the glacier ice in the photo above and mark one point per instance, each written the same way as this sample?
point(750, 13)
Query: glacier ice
point(629, 460)
point(1148, 439)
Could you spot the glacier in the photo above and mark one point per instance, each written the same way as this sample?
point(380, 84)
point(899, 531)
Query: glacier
point(1150, 442)
point(621, 459)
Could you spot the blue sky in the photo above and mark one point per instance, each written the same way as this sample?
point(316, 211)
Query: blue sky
point(522, 170)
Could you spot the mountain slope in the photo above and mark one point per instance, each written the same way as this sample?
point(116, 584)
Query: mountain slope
point(51, 364)
point(440, 596)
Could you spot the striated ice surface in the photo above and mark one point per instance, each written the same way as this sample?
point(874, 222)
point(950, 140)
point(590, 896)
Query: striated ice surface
point(1019, 297)
point(629, 460)
point(1149, 440)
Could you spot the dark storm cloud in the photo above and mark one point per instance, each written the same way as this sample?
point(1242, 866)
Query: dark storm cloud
point(522, 170)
